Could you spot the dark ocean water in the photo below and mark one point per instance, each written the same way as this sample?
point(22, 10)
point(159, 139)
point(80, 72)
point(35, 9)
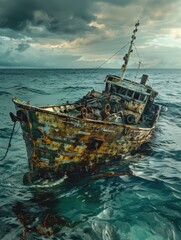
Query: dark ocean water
point(143, 206)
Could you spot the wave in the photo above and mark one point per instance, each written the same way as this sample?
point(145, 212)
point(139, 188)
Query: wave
point(5, 93)
point(28, 89)
point(75, 88)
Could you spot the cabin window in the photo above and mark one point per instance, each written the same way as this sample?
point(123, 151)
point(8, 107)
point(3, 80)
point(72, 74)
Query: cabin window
point(130, 93)
point(122, 91)
point(110, 78)
point(136, 95)
point(113, 89)
point(142, 97)
point(117, 89)
point(148, 90)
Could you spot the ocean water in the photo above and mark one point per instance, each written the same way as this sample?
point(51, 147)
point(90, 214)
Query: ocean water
point(144, 205)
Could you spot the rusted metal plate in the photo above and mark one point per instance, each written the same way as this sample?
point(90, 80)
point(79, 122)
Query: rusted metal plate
point(52, 139)
point(91, 130)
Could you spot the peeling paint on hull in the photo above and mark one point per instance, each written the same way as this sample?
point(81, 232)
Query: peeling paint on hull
point(99, 126)
point(57, 140)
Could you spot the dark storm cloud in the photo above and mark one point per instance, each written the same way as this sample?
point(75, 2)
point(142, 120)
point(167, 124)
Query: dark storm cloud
point(60, 16)
point(39, 33)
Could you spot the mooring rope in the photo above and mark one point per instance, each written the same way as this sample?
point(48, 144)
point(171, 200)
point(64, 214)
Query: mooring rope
point(9, 144)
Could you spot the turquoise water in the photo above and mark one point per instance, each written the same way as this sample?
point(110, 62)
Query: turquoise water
point(141, 202)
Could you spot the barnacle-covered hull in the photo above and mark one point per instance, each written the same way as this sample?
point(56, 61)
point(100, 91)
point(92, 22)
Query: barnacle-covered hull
point(55, 140)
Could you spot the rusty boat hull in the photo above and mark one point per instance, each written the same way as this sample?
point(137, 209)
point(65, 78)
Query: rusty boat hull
point(73, 138)
point(55, 142)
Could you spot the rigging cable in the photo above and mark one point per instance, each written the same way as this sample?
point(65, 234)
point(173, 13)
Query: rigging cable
point(140, 62)
point(111, 57)
point(139, 57)
point(95, 70)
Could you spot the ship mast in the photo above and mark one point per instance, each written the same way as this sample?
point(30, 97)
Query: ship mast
point(127, 55)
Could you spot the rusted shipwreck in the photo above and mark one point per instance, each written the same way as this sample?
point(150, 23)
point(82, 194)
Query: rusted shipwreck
point(61, 139)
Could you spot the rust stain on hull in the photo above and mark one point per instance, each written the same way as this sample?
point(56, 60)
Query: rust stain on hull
point(112, 123)
point(57, 140)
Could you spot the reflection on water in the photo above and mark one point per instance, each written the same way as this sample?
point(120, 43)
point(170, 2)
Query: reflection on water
point(44, 213)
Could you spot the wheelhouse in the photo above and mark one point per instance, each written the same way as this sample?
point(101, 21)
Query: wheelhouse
point(134, 96)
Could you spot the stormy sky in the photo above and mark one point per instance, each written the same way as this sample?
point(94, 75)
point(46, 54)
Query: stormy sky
point(86, 33)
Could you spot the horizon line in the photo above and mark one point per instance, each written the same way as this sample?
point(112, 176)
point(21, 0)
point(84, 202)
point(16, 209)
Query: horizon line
point(83, 68)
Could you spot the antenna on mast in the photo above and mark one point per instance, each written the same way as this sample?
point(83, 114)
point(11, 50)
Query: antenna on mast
point(130, 50)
